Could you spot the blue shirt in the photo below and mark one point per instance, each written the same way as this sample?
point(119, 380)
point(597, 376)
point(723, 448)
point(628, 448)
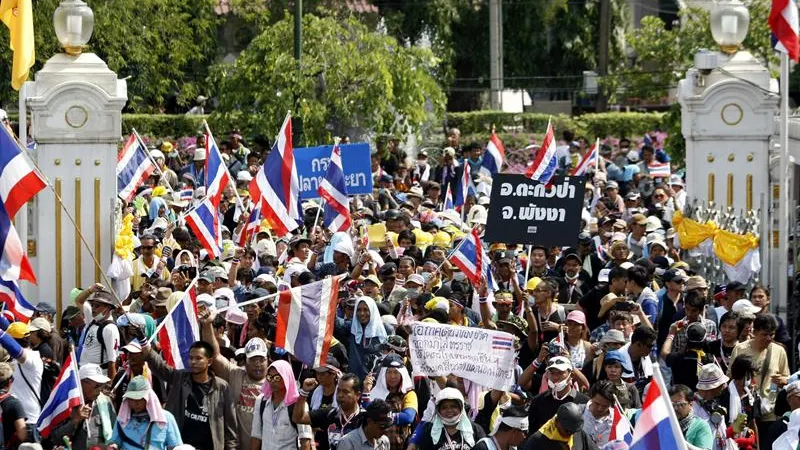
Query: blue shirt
point(161, 436)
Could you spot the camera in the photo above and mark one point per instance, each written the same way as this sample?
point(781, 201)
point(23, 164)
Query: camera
point(625, 306)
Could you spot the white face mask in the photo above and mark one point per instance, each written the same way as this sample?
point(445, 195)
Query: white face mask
point(571, 277)
point(99, 317)
point(608, 234)
point(558, 387)
point(451, 421)
point(459, 276)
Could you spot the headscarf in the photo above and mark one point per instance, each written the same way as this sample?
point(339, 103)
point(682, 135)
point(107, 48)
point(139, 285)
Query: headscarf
point(192, 262)
point(789, 438)
point(464, 425)
point(143, 321)
point(154, 410)
point(155, 204)
point(284, 369)
point(340, 242)
point(373, 329)
point(381, 389)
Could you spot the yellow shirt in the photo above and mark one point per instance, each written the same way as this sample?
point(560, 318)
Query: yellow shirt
point(777, 365)
point(140, 268)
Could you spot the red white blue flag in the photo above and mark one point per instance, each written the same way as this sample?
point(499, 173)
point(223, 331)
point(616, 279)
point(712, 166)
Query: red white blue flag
point(18, 181)
point(250, 228)
point(305, 320)
point(494, 155)
point(657, 426)
point(277, 184)
point(465, 186)
point(186, 194)
point(203, 220)
point(180, 330)
point(448, 204)
point(783, 21)
point(217, 175)
point(134, 166)
point(15, 302)
point(468, 256)
point(65, 396)
point(588, 160)
point(334, 191)
point(659, 170)
point(14, 264)
point(545, 163)
point(620, 426)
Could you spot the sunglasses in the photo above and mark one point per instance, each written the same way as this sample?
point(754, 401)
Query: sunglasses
point(147, 247)
point(274, 378)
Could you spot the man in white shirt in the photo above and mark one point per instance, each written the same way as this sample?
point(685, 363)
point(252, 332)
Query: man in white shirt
point(678, 192)
point(27, 371)
point(99, 343)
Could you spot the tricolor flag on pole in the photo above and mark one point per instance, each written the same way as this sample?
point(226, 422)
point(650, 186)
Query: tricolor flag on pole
point(134, 166)
point(180, 330)
point(186, 194)
point(15, 302)
point(545, 164)
point(657, 426)
point(334, 191)
point(783, 21)
point(620, 426)
point(18, 181)
point(14, 264)
point(494, 156)
point(465, 186)
point(305, 320)
point(468, 256)
point(217, 175)
point(588, 160)
point(65, 396)
point(204, 223)
point(251, 227)
point(448, 203)
point(278, 185)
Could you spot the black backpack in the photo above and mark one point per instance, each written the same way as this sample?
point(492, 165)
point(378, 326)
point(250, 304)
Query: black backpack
point(101, 340)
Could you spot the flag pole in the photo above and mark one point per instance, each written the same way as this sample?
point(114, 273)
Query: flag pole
point(163, 322)
point(146, 151)
point(783, 217)
point(528, 262)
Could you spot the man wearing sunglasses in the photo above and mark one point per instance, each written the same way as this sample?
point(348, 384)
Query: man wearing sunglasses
point(696, 431)
point(372, 434)
point(147, 265)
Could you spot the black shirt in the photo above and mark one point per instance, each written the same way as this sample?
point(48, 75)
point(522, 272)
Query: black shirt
point(456, 442)
point(196, 429)
point(12, 410)
point(45, 351)
point(333, 426)
point(544, 406)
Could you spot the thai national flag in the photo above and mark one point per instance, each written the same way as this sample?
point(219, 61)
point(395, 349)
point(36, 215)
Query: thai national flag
point(502, 343)
point(588, 160)
point(620, 426)
point(204, 223)
point(448, 204)
point(278, 185)
point(18, 181)
point(545, 164)
point(186, 194)
point(251, 226)
point(659, 170)
point(783, 20)
point(15, 302)
point(494, 155)
point(305, 320)
point(180, 330)
point(134, 166)
point(65, 396)
point(14, 264)
point(334, 191)
point(465, 186)
point(468, 256)
point(657, 426)
point(217, 175)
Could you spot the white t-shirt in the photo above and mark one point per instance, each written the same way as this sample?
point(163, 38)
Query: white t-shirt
point(277, 433)
point(33, 367)
point(91, 345)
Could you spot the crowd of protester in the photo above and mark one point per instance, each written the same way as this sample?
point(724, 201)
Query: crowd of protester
point(591, 323)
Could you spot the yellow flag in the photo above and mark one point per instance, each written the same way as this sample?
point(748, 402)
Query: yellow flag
point(18, 17)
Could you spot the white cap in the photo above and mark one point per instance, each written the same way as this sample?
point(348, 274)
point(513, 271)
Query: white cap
point(745, 305)
point(133, 347)
point(416, 279)
point(560, 363)
point(207, 300)
point(200, 154)
point(255, 347)
point(94, 373)
point(243, 175)
point(156, 154)
point(633, 156)
point(40, 323)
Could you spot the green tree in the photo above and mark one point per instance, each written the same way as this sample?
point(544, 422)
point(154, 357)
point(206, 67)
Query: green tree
point(165, 46)
point(350, 77)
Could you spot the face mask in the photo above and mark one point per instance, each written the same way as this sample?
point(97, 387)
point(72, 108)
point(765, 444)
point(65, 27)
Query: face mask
point(451, 421)
point(99, 317)
point(531, 300)
point(608, 234)
point(571, 277)
point(459, 276)
point(412, 291)
point(557, 387)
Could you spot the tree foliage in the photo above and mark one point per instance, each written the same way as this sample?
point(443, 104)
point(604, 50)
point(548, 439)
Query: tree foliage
point(350, 77)
point(662, 55)
point(165, 46)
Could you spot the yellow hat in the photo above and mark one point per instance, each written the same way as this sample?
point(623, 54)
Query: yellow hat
point(167, 147)
point(159, 191)
point(18, 330)
point(532, 283)
point(441, 239)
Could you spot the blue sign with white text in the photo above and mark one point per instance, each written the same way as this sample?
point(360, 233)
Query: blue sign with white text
point(312, 163)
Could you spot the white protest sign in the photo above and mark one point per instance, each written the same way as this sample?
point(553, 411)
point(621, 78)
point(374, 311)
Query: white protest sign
point(483, 356)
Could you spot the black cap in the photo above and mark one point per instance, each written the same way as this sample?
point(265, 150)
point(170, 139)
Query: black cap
point(696, 332)
point(388, 270)
point(570, 417)
point(674, 275)
point(573, 256)
point(733, 286)
point(392, 361)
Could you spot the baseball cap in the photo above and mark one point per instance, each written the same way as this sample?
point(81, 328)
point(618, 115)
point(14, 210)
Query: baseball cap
point(734, 286)
point(619, 357)
point(138, 388)
point(696, 332)
point(577, 316)
point(207, 300)
point(208, 276)
point(133, 347)
point(676, 275)
point(559, 363)
point(331, 365)
point(93, 372)
point(416, 279)
point(745, 305)
point(612, 185)
point(570, 417)
point(40, 323)
point(18, 330)
point(255, 347)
